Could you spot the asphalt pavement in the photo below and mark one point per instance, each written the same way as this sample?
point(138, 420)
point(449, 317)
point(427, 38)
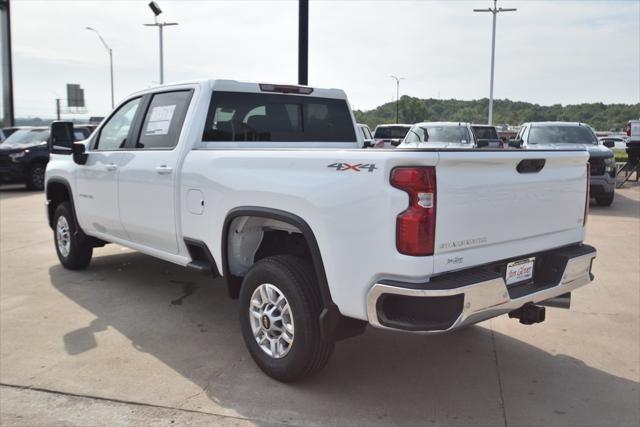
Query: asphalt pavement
point(135, 340)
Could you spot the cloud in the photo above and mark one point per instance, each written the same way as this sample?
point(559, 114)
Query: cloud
point(547, 52)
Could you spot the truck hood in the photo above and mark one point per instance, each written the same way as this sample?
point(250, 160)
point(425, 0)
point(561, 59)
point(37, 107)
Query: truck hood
point(10, 148)
point(595, 151)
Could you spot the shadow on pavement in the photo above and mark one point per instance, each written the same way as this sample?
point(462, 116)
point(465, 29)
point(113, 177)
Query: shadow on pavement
point(15, 190)
point(186, 321)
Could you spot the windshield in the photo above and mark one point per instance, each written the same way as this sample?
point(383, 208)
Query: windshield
point(487, 132)
point(27, 137)
point(391, 132)
point(561, 135)
point(457, 134)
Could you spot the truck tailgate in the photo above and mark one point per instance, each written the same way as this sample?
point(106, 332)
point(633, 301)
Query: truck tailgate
point(487, 210)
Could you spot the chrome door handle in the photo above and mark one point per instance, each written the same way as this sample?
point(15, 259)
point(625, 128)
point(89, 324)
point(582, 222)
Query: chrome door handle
point(164, 169)
point(111, 166)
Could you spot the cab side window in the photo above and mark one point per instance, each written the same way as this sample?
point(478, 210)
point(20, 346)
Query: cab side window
point(113, 134)
point(163, 121)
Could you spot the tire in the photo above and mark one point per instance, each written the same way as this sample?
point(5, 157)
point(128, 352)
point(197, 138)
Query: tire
point(35, 179)
point(73, 251)
point(605, 200)
point(295, 280)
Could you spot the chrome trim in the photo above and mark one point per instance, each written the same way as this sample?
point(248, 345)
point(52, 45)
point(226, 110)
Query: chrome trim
point(487, 299)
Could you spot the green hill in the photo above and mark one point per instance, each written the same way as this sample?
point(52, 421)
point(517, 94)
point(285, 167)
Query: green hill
point(412, 110)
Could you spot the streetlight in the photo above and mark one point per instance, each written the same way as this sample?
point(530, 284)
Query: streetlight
point(110, 52)
point(397, 79)
point(495, 12)
point(157, 11)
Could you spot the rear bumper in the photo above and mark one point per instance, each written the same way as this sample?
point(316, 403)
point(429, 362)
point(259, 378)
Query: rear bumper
point(454, 300)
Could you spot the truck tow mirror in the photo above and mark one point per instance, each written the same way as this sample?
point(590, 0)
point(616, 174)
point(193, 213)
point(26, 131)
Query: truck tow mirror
point(79, 155)
point(61, 140)
point(515, 143)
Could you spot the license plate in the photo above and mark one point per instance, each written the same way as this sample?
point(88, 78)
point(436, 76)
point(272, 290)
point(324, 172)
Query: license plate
point(519, 271)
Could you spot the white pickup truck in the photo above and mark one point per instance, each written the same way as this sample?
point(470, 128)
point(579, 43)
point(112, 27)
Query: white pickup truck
point(265, 186)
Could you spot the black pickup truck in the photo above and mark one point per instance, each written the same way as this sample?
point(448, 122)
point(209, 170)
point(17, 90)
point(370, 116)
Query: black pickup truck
point(24, 155)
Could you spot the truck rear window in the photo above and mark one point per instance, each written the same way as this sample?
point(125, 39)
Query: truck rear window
point(391, 132)
point(237, 116)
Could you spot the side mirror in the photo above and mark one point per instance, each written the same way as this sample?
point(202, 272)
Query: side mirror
point(609, 144)
point(79, 155)
point(61, 139)
point(515, 143)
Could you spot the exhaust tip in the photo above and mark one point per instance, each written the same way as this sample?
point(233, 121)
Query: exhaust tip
point(561, 301)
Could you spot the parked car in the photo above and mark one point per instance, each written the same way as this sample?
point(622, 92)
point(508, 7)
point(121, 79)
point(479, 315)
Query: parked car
point(486, 136)
point(389, 136)
point(217, 176)
point(614, 142)
point(440, 135)
point(24, 155)
point(562, 134)
point(366, 135)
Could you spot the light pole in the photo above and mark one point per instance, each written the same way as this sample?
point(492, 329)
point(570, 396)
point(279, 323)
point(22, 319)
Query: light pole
point(106, 46)
point(397, 79)
point(157, 11)
point(495, 12)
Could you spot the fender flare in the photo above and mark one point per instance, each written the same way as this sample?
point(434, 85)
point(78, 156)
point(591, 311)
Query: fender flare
point(66, 184)
point(330, 316)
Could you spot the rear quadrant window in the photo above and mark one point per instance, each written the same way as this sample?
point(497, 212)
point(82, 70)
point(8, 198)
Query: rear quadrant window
point(163, 121)
point(284, 118)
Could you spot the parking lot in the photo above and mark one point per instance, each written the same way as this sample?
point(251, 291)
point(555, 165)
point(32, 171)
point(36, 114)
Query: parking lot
point(134, 339)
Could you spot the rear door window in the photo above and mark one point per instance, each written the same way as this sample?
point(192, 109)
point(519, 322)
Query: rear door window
point(163, 120)
point(237, 116)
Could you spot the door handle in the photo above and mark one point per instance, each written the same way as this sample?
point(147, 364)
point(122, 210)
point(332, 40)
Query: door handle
point(111, 166)
point(164, 169)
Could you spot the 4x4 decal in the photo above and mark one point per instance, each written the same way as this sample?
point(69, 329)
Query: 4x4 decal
point(341, 167)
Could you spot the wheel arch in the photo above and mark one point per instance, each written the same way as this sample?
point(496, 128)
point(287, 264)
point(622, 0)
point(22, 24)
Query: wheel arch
point(58, 190)
point(330, 318)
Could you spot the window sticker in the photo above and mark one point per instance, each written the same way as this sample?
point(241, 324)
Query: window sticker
point(159, 120)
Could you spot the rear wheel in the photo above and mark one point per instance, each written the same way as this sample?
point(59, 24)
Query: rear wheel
point(279, 313)
point(73, 251)
point(605, 200)
point(35, 179)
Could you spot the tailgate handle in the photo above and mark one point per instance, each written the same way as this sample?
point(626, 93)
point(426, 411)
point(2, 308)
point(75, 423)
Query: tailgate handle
point(530, 165)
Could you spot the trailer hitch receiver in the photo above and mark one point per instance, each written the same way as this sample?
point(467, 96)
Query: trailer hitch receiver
point(529, 314)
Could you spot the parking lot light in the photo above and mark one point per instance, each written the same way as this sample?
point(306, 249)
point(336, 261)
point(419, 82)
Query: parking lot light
point(110, 52)
point(495, 12)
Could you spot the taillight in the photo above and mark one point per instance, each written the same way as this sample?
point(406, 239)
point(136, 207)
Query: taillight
point(416, 226)
point(586, 202)
point(628, 129)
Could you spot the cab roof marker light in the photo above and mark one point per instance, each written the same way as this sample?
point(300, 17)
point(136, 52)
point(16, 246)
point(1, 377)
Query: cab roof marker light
point(302, 90)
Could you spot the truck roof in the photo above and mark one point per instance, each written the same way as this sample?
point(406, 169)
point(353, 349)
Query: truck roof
point(556, 123)
point(442, 124)
point(393, 124)
point(250, 87)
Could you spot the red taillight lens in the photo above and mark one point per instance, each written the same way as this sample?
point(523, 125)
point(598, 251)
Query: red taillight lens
point(416, 226)
point(629, 129)
point(586, 202)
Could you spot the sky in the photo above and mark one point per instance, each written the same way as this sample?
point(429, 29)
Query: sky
point(548, 52)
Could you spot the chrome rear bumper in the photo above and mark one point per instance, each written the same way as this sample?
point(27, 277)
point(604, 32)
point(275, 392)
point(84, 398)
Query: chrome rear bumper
point(479, 299)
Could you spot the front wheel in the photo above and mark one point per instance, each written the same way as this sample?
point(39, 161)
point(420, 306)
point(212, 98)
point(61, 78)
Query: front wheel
point(279, 313)
point(35, 179)
point(605, 200)
point(73, 251)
